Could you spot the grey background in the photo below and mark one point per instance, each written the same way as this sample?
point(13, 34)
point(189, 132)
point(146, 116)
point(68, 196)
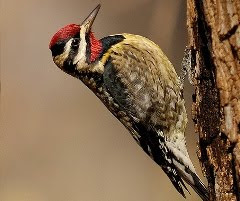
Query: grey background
point(58, 142)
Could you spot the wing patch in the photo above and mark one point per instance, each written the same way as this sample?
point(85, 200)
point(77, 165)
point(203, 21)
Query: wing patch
point(153, 143)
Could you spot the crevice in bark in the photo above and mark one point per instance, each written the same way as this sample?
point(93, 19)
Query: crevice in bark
point(235, 53)
point(209, 117)
point(235, 180)
point(213, 28)
point(229, 33)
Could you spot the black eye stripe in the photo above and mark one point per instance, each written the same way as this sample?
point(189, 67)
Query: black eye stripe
point(58, 48)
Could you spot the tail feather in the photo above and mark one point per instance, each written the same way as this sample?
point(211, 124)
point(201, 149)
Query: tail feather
point(192, 179)
point(185, 167)
point(174, 160)
point(199, 187)
point(176, 179)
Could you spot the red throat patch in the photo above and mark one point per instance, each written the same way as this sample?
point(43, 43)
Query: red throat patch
point(96, 47)
point(66, 32)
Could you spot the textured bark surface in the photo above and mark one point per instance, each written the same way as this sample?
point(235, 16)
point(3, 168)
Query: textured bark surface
point(214, 36)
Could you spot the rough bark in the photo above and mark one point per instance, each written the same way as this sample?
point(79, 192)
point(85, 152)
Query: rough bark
point(214, 36)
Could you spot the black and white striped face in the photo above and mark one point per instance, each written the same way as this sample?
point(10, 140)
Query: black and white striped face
point(71, 45)
point(64, 46)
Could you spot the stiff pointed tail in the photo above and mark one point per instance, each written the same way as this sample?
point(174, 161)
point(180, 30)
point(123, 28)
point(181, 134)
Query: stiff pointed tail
point(192, 179)
point(199, 187)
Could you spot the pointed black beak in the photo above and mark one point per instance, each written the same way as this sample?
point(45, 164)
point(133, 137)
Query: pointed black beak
point(88, 22)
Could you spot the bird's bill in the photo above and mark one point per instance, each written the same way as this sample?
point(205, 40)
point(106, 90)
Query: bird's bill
point(88, 22)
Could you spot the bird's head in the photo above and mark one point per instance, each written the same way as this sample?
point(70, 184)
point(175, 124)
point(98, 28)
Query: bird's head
point(74, 46)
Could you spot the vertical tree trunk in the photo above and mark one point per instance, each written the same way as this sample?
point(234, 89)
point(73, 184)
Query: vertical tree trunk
point(214, 36)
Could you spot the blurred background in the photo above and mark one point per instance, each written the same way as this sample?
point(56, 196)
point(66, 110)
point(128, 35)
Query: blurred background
point(58, 142)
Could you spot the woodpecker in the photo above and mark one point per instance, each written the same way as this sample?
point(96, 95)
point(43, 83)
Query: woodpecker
point(138, 84)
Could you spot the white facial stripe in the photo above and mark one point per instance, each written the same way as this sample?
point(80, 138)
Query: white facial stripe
point(80, 59)
point(67, 47)
point(81, 56)
point(59, 60)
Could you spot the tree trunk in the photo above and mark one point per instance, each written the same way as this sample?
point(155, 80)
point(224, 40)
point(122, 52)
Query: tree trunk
point(214, 37)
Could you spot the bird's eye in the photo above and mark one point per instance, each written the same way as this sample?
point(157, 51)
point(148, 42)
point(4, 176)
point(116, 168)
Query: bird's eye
point(75, 42)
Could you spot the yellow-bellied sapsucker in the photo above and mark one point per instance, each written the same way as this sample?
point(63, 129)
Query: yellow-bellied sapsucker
point(135, 80)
